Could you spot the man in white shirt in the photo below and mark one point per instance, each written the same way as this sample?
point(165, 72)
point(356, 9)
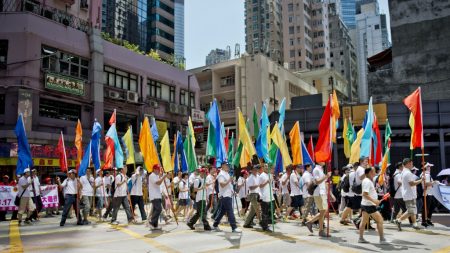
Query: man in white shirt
point(309, 200)
point(284, 181)
point(253, 188)
point(26, 204)
point(136, 194)
point(154, 191)
point(200, 188)
point(264, 187)
point(399, 204)
point(87, 191)
point(369, 205)
point(100, 193)
point(430, 201)
point(70, 189)
point(108, 180)
point(35, 194)
point(356, 188)
point(296, 192)
point(243, 191)
point(344, 194)
point(320, 197)
point(409, 192)
point(226, 192)
point(121, 196)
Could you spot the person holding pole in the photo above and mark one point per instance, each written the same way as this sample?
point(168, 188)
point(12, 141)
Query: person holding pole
point(120, 196)
point(154, 192)
point(100, 193)
point(309, 200)
point(242, 190)
point(136, 191)
point(26, 204)
point(253, 186)
point(87, 191)
point(296, 192)
point(200, 188)
point(266, 203)
point(430, 205)
point(70, 188)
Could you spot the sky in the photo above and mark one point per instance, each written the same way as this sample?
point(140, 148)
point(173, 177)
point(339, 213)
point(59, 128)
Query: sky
point(211, 24)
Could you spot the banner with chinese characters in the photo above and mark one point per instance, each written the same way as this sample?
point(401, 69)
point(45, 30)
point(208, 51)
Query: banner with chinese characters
point(64, 83)
point(49, 197)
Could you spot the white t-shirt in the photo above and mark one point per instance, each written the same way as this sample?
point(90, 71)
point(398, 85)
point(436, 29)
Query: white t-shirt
point(367, 186)
point(87, 189)
point(428, 179)
point(409, 192)
point(136, 182)
point(184, 189)
point(210, 182)
point(200, 194)
point(37, 188)
point(100, 184)
point(284, 188)
point(397, 183)
point(265, 191)
point(360, 172)
point(121, 191)
point(252, 180)
point(226, 191)
point(192, 178)
point(154, 190)
point(294, 181)
point(307, 178)
point(176, 182)
point(351, 179)
point(243, 189)
point(318, 174)
point(69, 186)
point(22, 182)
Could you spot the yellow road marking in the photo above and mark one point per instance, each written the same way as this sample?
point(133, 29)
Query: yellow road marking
point(75, 245)
point(14, 237)
point(443, 250)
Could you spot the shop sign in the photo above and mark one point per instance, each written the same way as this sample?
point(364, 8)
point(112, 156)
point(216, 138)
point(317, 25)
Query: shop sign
point(198, 115)
point(64, 84)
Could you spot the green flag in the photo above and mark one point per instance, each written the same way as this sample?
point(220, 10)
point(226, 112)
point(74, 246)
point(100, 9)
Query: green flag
point(273, 153)
point(255, 123)
point(237, 156)
point(350, 132)
point(211, 142)
point(231, 148)
point(189, 148)
point(387, 139)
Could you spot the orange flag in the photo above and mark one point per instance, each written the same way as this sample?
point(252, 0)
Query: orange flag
point(335, 114)
point(323, 146)
point(296, 149)
point(414, 104)
point(78, 143)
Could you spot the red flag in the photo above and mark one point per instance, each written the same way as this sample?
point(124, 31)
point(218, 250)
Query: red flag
point(377, 156)
point(109, 153)
point(227, 141)
point(112, 120)
point(323, 147)
point(310, 148)
point(61, 149)
point(414, 104)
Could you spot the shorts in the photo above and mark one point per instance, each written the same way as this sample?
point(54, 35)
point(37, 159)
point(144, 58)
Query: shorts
point(296, 201)
point(321, 202)
point(346, 201)
point(369, 209)
point(85, 204)
point(411, 207)
point(182, 202)
point(99, 202)
point(244, 203)
point(286, 199)
point(355, 202)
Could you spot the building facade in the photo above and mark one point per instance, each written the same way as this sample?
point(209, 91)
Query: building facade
point(371, 38)
point(57, 71)
point(264, 28)
point(179, 31)
point(348, 12)
point(218, 55)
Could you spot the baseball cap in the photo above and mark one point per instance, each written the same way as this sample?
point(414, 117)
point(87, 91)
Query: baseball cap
point(26, 170)
point(428, 164)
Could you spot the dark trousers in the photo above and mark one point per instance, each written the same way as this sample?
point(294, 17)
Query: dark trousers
point(384, 208)
point(399, 204)
point(265, 214)
point(117, 201)
point(157, 209)
point(431, 205)
point(199, 213)
point(216, 210)
point(2, 215)
point(138, 200)
point(70, 200)
point(226, 208)
point(109, 207)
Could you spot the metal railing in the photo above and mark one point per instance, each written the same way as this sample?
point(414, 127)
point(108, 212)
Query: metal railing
point(48, 12)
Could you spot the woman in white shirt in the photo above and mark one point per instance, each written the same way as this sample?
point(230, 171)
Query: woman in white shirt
point(183, 195)
point(369, 205)
point(243, 191)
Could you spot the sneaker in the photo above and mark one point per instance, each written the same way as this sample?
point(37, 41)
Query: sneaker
point(61, 224)
point(416, 227)
point(399, 225)
point(217, 229)
point(236, 230)
point(192, 226)
point(344, 222)
point(86, 222)
point(208, 228)
point(356, 223)
point(309, 226)
point(383, 241)
point(248, 226)
point(424, 224)
point(114, 223)
point(323, 234)
point(362, 240)
point(430, 223)
point(267, 230)
point(155, 228)
point(20, 223)
point(28, 222)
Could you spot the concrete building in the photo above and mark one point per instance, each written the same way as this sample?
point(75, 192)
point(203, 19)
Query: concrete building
point(179, 31)
point(264, 28)
point(218, 55)
point(247, 81)
point(371, 38)
point(343, 52)
point(420, 52)
point(56, 69)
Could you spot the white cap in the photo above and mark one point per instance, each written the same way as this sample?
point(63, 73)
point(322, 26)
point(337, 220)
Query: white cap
point(98, 171)
point(414, 168)
point(72, 171)
point(349, 165)
point(26, 170)
point(429, 164)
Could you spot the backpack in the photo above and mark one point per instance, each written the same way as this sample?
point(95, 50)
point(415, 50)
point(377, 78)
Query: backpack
point(357, 189)
point(392, 189)
point(345, 184)
point(191, 191)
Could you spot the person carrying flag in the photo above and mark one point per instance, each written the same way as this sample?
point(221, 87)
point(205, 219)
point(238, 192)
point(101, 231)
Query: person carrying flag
point(308, 199)
point(70, 188)
point(200, 188)
point(136, 191)
point(87, 192)
point(296, 193)
point(154, 191)
point(253, 187)
point(100, 193)
point(120, 196)
point(26, 204)
point(264, 186)
point(242, 190)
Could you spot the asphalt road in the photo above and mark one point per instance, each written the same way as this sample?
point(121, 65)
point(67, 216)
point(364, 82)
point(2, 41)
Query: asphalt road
point(46, 236)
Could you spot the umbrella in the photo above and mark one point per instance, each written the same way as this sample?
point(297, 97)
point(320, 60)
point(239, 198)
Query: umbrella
point(445, 172)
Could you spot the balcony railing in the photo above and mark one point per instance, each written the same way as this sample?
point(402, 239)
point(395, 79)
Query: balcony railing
point(48, 12)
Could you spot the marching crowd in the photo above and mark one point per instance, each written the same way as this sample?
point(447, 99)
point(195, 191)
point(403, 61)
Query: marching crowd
point(303, 193)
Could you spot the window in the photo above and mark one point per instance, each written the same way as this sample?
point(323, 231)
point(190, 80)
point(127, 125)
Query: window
point(341, 53)
point(292, 65)
point(331, 55)
point(67, 64)
point(299, 52)
point(299, 41)
point(291, 18)
point(161, 91)
point(255, 35)
point(228, 105)
point(2, 104)
point(291, 53)
point(119, 79)
point(59, 110)
point(299, 64)
point(290, 7)
point(3, 53)
point(291, 30)
point(377, 27)
point(184, 98)
point(291, 42)
point(227, 81)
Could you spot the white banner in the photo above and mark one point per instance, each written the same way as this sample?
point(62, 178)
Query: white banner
point(49, 197)
point(442, 193)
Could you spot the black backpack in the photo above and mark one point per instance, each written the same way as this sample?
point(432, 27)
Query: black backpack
point(357, 189)
point(345, 184)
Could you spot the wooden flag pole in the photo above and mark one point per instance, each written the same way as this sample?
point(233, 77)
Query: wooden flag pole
point(171, 203)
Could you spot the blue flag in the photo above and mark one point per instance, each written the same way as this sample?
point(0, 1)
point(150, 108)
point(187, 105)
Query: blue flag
point(214, 117)
point(181, 153)
point(262, 149)
point(282, 111)
point(154, 130)
point(95, 145)
point(366, 141)
point(306, 155)
point(85, 161)
point(24, 159)
point(279, 163)
point(118, 153)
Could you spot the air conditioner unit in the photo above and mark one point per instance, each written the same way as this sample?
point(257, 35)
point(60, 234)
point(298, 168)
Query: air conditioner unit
point(114, 94)
point(153, 104)
point(173, 108)
point(183, 110)
point(132, 96)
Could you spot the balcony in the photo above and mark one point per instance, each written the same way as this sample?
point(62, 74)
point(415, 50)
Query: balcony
point(48, 12)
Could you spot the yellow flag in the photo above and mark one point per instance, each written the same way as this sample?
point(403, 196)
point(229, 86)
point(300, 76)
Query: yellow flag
point(296, 148)
point(335, 114)
point(356, 147)
point(165, 153)
point(128, 141)
point(191, 129)
point(147, 145)
point(411, 124)
point(347, 150)
point(245, 158)
point(244, 136)
point(384, 165)
point(281, 144)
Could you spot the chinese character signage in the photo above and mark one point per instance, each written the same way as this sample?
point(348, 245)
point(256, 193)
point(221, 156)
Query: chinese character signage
point(49, 197)
point(198, 115)
point(64, 84)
